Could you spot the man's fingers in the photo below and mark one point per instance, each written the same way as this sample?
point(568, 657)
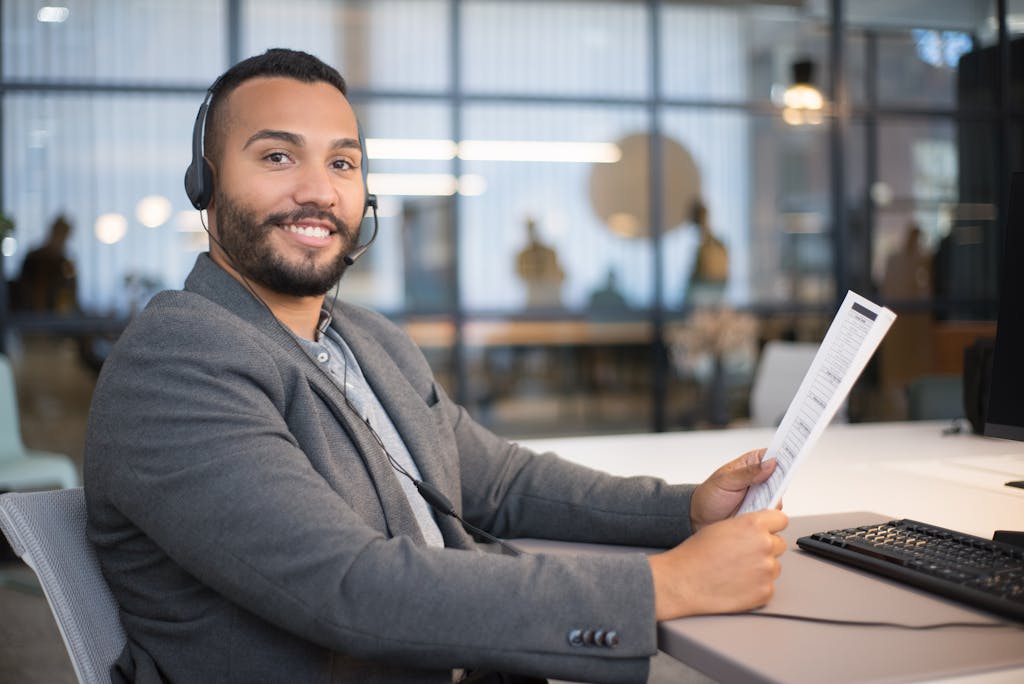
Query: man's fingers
point(778, 545)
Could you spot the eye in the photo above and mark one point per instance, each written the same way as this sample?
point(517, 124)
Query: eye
point(342, 165)
point(276, 157)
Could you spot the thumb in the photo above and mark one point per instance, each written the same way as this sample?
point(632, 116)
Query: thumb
point(750, 468)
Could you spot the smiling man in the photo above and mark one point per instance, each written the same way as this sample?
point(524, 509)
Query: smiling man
point(256, 455)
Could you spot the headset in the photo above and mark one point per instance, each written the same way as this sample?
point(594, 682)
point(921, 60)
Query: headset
point(199, 174)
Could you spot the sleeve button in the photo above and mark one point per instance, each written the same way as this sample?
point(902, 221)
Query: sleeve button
point(599, 637)
point(611, 638)
point(588, 637)
point(576, 637)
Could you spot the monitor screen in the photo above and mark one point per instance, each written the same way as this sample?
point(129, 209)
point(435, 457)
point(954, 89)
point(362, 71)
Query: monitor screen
point(1004, 416)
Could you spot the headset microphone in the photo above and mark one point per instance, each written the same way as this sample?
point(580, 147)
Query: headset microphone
point(371, 201)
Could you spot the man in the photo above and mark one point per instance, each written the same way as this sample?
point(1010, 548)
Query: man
point(249, 458)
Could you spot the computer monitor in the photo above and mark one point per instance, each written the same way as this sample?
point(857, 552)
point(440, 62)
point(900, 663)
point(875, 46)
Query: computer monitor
point(1004, 416)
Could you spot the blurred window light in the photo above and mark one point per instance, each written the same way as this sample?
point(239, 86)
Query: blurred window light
point(52, 15)
point(941, 48)
point(8, 246)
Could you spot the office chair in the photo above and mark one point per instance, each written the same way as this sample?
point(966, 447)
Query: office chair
point(47, 530)
point(935, 397)
point(780, 370)
point(22, 468)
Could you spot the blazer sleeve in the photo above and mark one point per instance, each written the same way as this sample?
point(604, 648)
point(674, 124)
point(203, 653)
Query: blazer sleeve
point(187, 440)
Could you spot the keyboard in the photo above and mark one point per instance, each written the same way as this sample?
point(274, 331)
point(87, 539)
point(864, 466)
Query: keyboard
point(979, 572)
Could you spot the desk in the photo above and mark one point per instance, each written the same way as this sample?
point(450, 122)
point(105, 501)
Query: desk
point(896, 469)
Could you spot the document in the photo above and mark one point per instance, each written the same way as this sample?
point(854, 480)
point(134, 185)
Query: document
point(852, 338)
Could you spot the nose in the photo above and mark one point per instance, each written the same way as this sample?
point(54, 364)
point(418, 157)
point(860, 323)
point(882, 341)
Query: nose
point(316, 186)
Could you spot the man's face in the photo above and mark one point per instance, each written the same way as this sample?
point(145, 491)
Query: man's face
point(288, 191)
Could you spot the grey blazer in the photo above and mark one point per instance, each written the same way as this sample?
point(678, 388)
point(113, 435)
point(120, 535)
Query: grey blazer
point(252, 530)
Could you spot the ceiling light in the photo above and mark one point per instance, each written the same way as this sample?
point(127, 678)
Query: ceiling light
point(153, 210)
point(110, 228)
point(493, 150)
point(52, 15)
point(802, 102)
point(410, 148)
point(425, 184)
point(539, 151)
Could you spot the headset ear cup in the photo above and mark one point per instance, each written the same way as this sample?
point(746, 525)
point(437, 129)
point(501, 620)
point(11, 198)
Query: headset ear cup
point(199, 174)
point(206, 190)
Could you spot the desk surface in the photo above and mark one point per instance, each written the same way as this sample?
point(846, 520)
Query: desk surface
point(907, 470)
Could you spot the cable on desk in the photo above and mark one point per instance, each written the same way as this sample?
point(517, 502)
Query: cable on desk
point(896, 625)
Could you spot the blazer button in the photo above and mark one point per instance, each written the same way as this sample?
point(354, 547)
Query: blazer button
point(611, 638)
point(599, 637)
point(588, 637)
point(576, 637)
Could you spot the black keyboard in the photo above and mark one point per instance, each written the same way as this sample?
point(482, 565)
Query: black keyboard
point(980, 572)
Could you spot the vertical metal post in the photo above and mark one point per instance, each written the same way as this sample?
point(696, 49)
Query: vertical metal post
point(839, 124)
point(659, 356)
point(461, 367)
point(4, 298)
point(234, 31)
point(870, 147)
point(1003, 155)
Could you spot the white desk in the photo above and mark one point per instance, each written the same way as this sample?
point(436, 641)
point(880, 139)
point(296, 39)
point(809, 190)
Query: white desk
point(900, 470)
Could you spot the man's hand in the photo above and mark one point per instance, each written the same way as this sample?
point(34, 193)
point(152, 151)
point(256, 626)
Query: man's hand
point(720, 496)
point(727, 567)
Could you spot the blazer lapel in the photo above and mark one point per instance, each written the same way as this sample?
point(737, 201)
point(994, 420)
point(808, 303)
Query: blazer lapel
point(215, 284)
point(412, 418)
point(397, 512)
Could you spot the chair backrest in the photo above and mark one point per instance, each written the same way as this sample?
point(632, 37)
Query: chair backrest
point(780, 371)
point(11, 445)
point(47, 530)
point(936, 397)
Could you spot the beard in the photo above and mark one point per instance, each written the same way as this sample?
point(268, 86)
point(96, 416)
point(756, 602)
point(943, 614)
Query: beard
point(246, 242)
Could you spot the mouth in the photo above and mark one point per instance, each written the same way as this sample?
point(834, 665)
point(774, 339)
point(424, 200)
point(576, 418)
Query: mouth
point(307, 230)
point(309, 233)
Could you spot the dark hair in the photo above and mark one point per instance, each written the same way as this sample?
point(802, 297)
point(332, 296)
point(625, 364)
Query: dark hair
point(281, 62)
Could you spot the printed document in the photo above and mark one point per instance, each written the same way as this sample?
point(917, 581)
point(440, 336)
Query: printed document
point(855, 333)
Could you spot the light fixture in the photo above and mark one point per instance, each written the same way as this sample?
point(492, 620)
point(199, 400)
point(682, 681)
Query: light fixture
point(410, 148)
point(539, 151)
point(52, 15)
point(493, 150)
point(802, 103)
point(425, 184)
point(153, 210)
point(110, 228)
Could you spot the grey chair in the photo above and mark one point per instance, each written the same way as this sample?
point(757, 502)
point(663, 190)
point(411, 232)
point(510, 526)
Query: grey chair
point(780, 370)
point(47, 530)
point(22, 468)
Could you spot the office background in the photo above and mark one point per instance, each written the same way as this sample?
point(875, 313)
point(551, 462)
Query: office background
point(601, 124)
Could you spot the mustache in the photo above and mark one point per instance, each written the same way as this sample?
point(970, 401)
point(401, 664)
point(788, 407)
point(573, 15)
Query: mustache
point(284, 218)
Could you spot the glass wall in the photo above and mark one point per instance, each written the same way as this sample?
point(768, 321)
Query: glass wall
point(576, 197)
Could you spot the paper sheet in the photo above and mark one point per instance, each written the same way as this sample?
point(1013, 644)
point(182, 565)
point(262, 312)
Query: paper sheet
point(855, 333)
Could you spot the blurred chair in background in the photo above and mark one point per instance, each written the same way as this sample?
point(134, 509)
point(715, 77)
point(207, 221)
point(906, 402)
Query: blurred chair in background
point(780, 370)
point(22, 468)
point(935, 397)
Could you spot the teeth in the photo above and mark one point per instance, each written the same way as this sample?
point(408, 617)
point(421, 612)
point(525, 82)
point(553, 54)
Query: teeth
point(308, 231)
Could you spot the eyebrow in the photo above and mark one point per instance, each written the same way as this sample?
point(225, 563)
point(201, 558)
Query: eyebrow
point(296, 139)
